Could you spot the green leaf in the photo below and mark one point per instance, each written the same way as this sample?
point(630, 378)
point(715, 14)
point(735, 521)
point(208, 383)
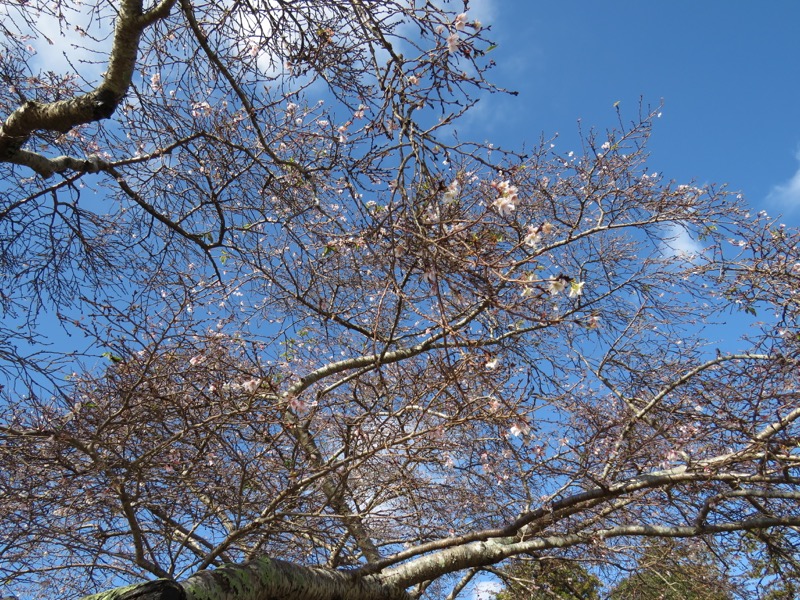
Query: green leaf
point(492, 47)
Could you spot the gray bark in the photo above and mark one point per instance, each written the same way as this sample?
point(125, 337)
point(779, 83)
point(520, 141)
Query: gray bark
point(261, 579)
point(95, 105)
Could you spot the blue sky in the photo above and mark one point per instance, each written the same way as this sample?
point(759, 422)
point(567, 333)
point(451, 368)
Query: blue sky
point(727, 73)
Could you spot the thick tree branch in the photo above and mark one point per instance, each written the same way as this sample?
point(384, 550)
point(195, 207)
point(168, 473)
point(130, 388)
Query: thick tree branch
point(261, 579)
point(100, 103)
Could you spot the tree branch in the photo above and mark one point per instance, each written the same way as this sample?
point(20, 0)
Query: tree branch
point(100, 103)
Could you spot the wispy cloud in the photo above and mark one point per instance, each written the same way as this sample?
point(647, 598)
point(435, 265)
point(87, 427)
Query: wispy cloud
point(486, 590)
point(786, 196)
point(81, 42)
point(679, 242)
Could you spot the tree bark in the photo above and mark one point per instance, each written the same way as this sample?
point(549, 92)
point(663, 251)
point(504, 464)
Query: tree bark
point(95, 105)
point(261, 579)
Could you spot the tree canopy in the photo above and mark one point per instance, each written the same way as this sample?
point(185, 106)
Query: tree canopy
point(661, 569)
point(273, 327)
point(676, 570)
point(537, 579)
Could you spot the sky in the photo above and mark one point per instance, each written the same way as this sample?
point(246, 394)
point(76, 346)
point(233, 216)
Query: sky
point(726, 71)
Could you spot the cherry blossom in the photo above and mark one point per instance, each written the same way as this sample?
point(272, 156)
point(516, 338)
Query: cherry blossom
point(251, 385)
point(505, 205)
point(325, 342)
point(506, 202)
point(452, 192)
point(576, 288)
point(533, 238)
point(299, 405)
point(557, 285)
point(519, 428)
point(201, 109)
point(452, 42)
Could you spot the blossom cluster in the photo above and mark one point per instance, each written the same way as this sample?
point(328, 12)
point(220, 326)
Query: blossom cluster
point(452, 192)
point(459, 24)
point(561, 283)
point(506, 201)
point(535, 234)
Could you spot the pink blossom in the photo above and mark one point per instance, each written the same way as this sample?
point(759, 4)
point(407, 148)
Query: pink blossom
point(251, 385)
point(155, 82)
point(452, 42)
point(533, 237)
point(504, 205)
point(487, 466)
point(557, 286)
point(197, 360)
point(299, 405)
point(452, 191)
point(342, 130)
point(505, 188)
point(519, 428)
point(460, 21)
point(576, 288)
point(201, 109)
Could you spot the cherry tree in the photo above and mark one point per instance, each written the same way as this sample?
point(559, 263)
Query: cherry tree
point(271, 328)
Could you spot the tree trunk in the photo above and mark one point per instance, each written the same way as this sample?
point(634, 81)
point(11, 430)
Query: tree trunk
point(261, 579)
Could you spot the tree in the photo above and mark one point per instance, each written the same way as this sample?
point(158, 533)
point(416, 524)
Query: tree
point(543, 579)
point(668, 569)
point(263, 308)
point(774, 565)
point(664, 569)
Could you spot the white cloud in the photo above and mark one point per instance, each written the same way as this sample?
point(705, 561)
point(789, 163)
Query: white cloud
point(483, 10)
point(63, 46)
point(679, 242)
point(786, 196)
point(486, 590)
